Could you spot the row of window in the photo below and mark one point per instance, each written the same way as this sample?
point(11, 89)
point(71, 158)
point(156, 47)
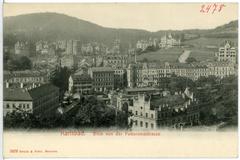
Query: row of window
point(103, 75)
point(136, 113)
point(103, 84)
point(103, 79)
point(146, 124)
point(20, 106)
point(27, 79)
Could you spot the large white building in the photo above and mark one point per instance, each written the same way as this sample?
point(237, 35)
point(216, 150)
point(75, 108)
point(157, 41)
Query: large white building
point(144, 117)
point(148, 74)
point(227, 53)
point(168, 41)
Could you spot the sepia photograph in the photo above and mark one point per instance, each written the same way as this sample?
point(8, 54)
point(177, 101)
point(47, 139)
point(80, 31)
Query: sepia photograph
point(102, 73)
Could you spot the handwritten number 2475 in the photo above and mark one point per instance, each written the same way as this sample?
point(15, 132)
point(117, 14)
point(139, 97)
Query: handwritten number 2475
point(212, 8)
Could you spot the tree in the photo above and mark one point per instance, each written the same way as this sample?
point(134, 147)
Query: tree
point(94, 113)
point(17, 63)
point(59, 77)
point(191, 60)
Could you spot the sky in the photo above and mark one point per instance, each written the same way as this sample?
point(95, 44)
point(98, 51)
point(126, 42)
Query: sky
point(148, 16)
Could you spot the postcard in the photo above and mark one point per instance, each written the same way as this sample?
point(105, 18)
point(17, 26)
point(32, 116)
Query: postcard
point(136, 80)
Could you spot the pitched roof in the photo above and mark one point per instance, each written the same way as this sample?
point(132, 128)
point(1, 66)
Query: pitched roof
point(141, 89)
point(42, 90)
point(81, 77)
point(100, 69)
point(16, 94)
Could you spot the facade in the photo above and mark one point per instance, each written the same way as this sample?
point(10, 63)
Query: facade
point(80, 82)
point(14, 99)
point(61, 44)
point(42, 100)
point(168, 41)
point(144, 117)
point(67, 61)
point(22, 48)
point(87, 49)
point(144, 44)
point(103, 78)
point(120, 78)
point(25, 79)
point(149, 74)
point(73, 47)
point(177, 110)
point(44, 48)
point(116, 60)
point(152, 112)
point(227, 53)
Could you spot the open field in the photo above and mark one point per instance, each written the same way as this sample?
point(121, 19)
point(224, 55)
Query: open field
point(203, 42)
point(201, 54)
point(205, 48)
point(163, 55)
point(201, 49)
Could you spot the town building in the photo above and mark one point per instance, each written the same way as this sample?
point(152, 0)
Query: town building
point(227, 53)
point(61, 44)
point(25, 79)
point(80, 82)
point(116, 60)
point(103, 78)
point(87, 49)
point(143, 116)
point(120, 78)
point(67, 61)
point(116, 49)
point(44, 48)
point(42, 100)
point(167, 41)
point(144, 44)
point(151, 112)
point(22, 48)
point(149, 74)
point(73, 47)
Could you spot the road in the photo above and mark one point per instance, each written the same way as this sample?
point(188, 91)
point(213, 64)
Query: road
point(184, 56)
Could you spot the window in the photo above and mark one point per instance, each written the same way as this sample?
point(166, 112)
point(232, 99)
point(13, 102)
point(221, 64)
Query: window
point(141, 124)
point(147, 115)
point(141, 114)
point(152, 126)
point(146, 124)
point(151, 115)
point(8, 106)
point(136, 122)
point(136, 113)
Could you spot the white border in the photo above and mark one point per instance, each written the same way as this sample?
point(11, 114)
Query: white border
point(85, 1)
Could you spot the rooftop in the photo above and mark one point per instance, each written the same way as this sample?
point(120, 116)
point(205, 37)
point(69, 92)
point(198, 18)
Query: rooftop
point(42, 90)
point(171, 100)
point(102, 69)
point(16, 95)
point(140, 89)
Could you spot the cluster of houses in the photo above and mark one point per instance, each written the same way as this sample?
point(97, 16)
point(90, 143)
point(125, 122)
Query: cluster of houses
point(29, 91)
point(166, 41)
point(128, 86)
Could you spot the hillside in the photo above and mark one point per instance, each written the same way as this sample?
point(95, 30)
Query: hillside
point(54, 26)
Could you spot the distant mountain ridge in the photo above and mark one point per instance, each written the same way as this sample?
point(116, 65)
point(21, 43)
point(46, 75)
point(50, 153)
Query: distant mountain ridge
point(55, 26)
